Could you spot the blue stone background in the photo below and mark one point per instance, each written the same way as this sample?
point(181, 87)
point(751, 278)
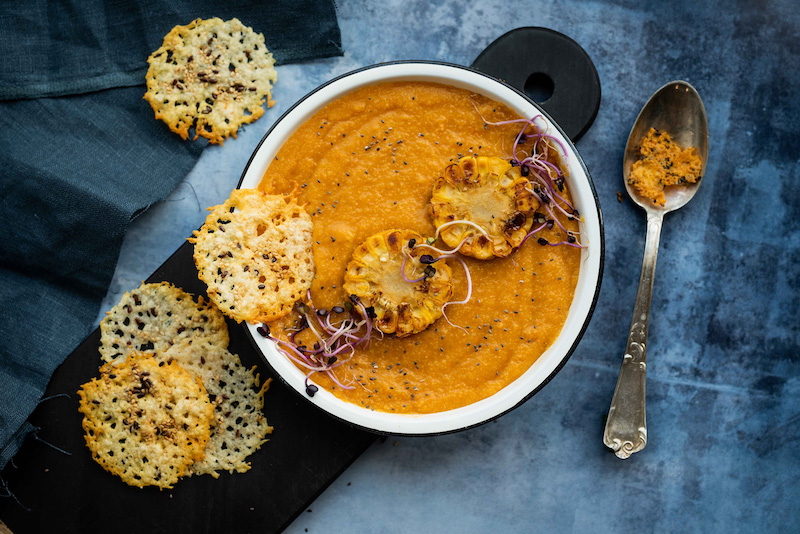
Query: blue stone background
point(723, 389)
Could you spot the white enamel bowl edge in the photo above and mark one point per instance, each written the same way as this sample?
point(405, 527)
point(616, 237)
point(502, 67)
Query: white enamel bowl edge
point(587, 288)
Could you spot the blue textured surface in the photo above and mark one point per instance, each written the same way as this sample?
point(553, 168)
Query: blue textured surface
point(723, 388)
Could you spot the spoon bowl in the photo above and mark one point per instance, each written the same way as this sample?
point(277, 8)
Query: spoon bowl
point(676, 109)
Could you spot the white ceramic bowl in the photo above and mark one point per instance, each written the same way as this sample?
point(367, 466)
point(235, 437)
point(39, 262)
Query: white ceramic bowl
point(585, 200)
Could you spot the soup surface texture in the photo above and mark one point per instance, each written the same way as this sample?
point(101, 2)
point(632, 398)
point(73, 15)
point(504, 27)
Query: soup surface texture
point(366, 163)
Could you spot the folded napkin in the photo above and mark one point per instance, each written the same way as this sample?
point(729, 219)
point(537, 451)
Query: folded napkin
point(71, 47)
point(82, 155)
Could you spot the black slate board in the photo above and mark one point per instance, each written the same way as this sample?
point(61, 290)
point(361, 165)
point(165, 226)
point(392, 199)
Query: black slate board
point(71, 493)
point(535, 60)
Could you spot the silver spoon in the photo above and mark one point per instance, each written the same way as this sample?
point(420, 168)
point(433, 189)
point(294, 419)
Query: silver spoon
point(676, 108)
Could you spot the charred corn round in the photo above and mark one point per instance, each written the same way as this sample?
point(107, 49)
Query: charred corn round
point(492, 194)
point(375, 277)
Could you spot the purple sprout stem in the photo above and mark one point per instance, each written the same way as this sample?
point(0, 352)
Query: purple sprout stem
point(531, 233)
point(403, 273)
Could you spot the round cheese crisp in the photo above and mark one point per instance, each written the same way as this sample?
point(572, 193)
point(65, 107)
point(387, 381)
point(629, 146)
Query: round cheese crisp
point(257, 261)
point(212, 76)
point(154, 317)
point(238, 427)
point(145, 421)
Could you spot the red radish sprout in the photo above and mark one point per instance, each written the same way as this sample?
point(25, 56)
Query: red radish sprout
point(336, 341)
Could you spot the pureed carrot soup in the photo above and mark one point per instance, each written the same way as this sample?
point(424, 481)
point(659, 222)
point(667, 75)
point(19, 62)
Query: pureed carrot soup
point(365, 164)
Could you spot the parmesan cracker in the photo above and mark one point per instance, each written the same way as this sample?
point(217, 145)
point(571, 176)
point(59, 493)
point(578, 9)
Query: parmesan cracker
point(238, 428)
point(210, 75)
point(145, 421)
point(257, 261)
point(154, 317)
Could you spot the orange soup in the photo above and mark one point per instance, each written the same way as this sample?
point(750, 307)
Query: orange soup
point(366, 163)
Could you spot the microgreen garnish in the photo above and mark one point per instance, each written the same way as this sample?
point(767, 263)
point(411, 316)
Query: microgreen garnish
point(336, 338)
point(546, 178)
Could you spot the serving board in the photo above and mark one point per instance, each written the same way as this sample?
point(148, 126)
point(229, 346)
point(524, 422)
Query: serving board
point(53, 485)
point(56, 491)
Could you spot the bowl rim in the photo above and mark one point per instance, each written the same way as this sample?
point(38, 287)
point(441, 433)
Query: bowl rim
point(406, 424)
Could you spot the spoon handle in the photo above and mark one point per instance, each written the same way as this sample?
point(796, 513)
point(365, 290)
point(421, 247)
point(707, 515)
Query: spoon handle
point(626, 426)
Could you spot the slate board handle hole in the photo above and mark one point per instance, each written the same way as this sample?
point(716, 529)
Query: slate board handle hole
point(539, 87)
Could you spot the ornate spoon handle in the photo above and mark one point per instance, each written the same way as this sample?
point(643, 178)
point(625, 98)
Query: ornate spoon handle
point(626, 426)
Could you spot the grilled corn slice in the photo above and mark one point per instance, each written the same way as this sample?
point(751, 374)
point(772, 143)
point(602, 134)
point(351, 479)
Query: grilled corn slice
point(374, 277)
point(490, 193)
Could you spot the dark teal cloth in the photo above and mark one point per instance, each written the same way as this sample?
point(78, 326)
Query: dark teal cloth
point(69, 47)
point(81, 155)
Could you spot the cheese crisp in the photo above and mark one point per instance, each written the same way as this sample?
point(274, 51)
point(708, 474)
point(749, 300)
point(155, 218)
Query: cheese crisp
point(256, 261)
point(145, 421)
point(238, 427)
point(167, 324)
point(154, 317)
point(210, 75)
